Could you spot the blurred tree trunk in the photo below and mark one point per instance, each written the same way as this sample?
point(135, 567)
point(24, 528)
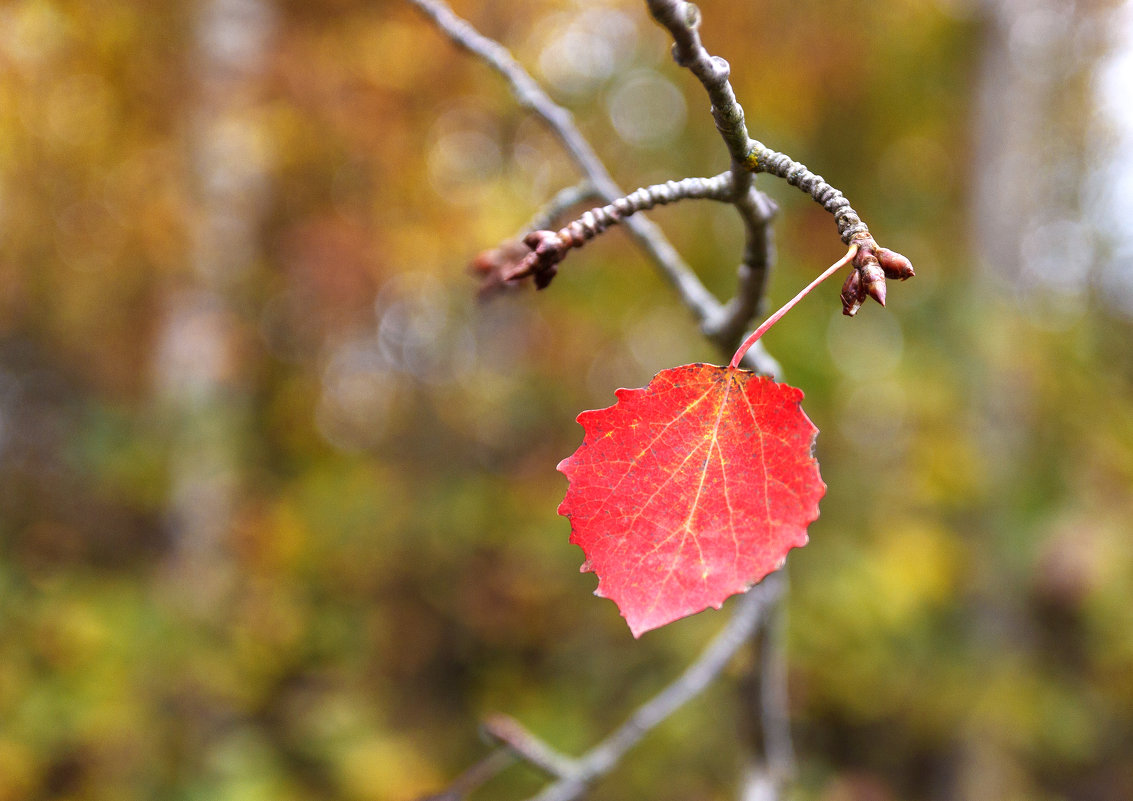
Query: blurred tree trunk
point(1037, 245)
point(200, 386)
point(1032, 132)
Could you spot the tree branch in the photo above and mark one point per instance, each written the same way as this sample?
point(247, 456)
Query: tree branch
point(682, 20)
point(574, 776)
point(563, 201)
point(476, 776)
point(531, 96)
point(761, 158)
point(748, 155)
point(548, 248)
point(723, 324)
point(512, 734)
point(755, 209)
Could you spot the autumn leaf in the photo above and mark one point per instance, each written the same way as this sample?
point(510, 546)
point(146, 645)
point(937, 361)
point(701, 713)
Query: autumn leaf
point(691, 490)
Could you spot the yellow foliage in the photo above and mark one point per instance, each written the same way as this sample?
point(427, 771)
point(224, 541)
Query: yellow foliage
point(386, 768)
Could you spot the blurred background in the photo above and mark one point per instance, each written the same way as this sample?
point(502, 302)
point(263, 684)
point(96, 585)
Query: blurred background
point(277, 496)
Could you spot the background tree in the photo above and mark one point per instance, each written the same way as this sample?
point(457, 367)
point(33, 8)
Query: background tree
point(399, 568)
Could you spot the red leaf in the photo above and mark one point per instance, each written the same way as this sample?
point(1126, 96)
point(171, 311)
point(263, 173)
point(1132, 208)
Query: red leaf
point(691, 490)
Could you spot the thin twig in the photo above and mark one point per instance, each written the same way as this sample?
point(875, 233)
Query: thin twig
point(525, 745)
point(721, 324)
point(753, 610)
point(563, 201)
point(548, 248)
point(480, 773)
point(597, 220)
point(576, 775)
point(761, 158)
point(682, 20)
point(756, 211)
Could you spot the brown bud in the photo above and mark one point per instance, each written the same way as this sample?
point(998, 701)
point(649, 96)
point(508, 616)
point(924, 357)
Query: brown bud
point(547, 250)
point(542, 241)
point(894, 264)
point(873, 279)
point(492, 261)
point(493, 267)
point(543, 277)
point(853, 293)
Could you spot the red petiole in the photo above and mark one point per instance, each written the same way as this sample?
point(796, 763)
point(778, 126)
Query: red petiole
point(774, 318)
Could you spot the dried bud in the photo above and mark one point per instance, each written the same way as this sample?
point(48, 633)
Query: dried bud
point(543, 277)
point(493, 266)
point(873, 279)
point(547, 250)
point(542, 242)
point(894, 264)
point(853, 293)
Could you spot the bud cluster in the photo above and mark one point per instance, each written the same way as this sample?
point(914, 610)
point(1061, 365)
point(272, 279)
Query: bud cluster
point(537, 256)
point(872, 265)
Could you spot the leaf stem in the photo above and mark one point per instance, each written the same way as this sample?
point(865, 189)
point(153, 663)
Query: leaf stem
point(774, 318)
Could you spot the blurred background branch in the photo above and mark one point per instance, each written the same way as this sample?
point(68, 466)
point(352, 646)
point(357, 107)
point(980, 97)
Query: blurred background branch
point(750, 612)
